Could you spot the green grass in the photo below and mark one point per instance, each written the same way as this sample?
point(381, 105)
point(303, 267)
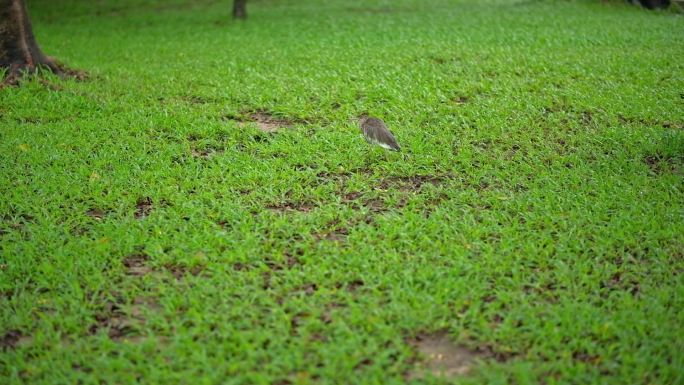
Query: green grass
point(551, 233)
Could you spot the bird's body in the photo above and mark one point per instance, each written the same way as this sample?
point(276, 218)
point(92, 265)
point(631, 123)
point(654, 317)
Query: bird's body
point(376, 132)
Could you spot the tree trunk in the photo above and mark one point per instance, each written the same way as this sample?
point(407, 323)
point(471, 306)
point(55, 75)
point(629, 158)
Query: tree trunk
point(240, 9)
point(653, 4)
point(19, 52)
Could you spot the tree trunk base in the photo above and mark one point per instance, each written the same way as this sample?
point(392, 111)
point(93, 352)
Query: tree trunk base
point(240, 9)
point(655, 4)
point(19, 53)
point(16, 71)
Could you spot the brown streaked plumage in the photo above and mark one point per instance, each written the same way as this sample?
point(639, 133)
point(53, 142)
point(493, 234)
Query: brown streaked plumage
point(376, 132)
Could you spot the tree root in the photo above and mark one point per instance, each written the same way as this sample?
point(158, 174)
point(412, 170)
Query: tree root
point(16, 71)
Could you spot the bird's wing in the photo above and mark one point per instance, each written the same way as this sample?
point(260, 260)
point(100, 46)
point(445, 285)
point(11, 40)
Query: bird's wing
point(383, 136)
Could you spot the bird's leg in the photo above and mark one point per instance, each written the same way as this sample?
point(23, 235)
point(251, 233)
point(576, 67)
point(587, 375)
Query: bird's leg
point(369, 156)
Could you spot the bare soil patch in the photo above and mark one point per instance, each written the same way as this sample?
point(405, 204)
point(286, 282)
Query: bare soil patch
point(10, 339)
point(351, 286)
point(136, 264)
point(461, 100)
point(303, 207)
point(114, 321)
point(330, 312)
point(648, 122)
point(340, 178)
point(143, 207)
point(204, 153)
point(440, 357)
point(181, 271)
point(359, 200)
point(288, 261)
point(307, 289)
point(584, 356)
point(356, 200)
point(663, 164)
point(96, 213)
point(620, 282)
point(673, 125)
point(15, 221)
point(264, 120)
point(335, 235)
point(335, 231)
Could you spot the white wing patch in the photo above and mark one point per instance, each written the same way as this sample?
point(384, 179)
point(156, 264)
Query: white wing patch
point(383, 145)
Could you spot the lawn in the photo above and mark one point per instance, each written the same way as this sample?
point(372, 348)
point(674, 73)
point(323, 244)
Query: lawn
point(530, 231)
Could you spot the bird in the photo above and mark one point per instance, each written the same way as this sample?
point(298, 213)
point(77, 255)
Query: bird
point(376, 132)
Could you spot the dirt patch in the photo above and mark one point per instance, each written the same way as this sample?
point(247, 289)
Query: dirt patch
point(181, 271)
point(266, 279)
point(440, 357)
point(352, 286)
point(305, 167)
point(275, 267)
point(140, 303)
point(618, 282)
point(114, 321)
point(15, 221)
point(438, 59)
point(326, 177)
point(363, 363)
point(81, 368)
point(663, 164)
point(288, 262)
point(352, 196)
point(143, 207)
point(432, 204)
point(265, 121)
point(136, 264)
point(307, 289)
point(459, 100)
point(335, 231)
point(646, 122)
point(282, 381)
point(375, 205)
point(203, 153)
point(585, 357)
point(335, 235)
point(297, 320)
point(356, 200)
point(303, 207)
point(673, 125)
point(239, 266)
point(329, 313)
point(96, 213)
point(548, 291)
point(10, 339)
